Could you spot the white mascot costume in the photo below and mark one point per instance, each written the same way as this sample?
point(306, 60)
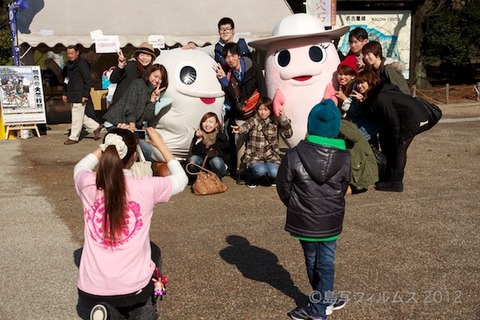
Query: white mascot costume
point(195, 90)
point(300, 67)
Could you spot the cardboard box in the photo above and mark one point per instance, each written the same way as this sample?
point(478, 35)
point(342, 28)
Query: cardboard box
point(99, 99)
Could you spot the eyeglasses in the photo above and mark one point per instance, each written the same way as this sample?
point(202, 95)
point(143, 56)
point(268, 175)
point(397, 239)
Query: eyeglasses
point(226, 30)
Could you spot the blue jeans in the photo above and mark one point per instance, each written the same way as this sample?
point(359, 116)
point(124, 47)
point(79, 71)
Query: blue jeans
point(216, 164)
point(263, 169)
point(319, 260)
point(147, 150)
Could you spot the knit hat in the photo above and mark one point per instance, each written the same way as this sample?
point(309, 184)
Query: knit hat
point(351, 62)
point(146, 48)
point(324, 119)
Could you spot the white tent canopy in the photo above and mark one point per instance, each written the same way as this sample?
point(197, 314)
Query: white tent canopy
point(179, 21)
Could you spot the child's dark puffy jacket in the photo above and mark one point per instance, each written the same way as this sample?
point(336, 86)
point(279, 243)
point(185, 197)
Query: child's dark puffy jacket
point(311, 182)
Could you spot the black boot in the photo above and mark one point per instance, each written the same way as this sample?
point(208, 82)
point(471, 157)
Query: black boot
point(394, 185)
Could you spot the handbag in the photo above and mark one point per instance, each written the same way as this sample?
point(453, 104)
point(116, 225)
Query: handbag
point(141, 168)
point(434, 114)
point(246, 107)
point(249, 105)
point(381, 161)
point(207, 182)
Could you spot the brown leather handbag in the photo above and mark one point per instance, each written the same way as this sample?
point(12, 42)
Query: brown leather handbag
point(207, 182)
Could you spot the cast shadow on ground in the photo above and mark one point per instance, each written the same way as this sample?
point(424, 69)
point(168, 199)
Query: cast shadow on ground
point(260, 265)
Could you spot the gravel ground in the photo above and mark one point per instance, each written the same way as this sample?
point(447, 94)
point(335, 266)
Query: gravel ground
point(410, 255)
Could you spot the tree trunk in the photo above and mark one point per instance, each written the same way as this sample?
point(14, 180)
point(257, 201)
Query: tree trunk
point(428, 8)
point(420, 75)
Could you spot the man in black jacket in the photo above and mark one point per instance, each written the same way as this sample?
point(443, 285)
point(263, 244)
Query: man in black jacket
point(77, 93)
point(312, 181)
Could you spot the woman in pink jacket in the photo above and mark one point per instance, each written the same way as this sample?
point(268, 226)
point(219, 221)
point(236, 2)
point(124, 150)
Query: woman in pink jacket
point(116, 267)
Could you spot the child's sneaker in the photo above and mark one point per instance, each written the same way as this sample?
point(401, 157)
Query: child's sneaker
point(99, 312)
point(337, 305)
point(301, 313)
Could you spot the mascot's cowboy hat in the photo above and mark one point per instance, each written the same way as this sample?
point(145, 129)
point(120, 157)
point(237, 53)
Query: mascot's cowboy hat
point(300, 25)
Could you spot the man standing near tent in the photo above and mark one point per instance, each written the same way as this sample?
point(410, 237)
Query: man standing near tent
point(77, 93)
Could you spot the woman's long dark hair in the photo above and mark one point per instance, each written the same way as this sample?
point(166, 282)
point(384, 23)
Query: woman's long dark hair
point(111, 180)
point(151, 69)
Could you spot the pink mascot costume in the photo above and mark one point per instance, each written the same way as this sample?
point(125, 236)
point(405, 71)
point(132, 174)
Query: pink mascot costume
point(299, 69)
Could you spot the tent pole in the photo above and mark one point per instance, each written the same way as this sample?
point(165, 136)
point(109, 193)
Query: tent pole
point(25, 53)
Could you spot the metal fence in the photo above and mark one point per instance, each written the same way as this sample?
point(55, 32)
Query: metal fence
point(449, 94)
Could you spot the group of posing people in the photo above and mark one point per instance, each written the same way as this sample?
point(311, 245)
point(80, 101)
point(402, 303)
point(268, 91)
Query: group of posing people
point(248, 150)
point(374, 95)
point(120, 268)
point(378, 114)
point(261, 157)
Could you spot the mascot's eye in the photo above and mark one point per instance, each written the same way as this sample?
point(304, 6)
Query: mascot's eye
point(188, 75)
point(282, 58)
point(317, 53)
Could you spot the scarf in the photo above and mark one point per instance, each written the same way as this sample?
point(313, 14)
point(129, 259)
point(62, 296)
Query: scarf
point(209, 139)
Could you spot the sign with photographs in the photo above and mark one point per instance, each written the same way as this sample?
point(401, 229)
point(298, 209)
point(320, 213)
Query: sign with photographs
point(21, 95)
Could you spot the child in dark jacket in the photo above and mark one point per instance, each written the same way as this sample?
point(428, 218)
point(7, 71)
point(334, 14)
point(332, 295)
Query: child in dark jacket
point(312, 181)
point(209, 141)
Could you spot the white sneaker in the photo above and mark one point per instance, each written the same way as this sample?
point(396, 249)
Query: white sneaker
point(99, 312)
point(339, 303)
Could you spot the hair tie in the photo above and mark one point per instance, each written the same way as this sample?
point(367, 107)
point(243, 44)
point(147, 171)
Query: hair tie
point(113, 139)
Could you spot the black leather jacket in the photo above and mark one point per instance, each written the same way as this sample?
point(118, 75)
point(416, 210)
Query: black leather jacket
point(311, 182)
